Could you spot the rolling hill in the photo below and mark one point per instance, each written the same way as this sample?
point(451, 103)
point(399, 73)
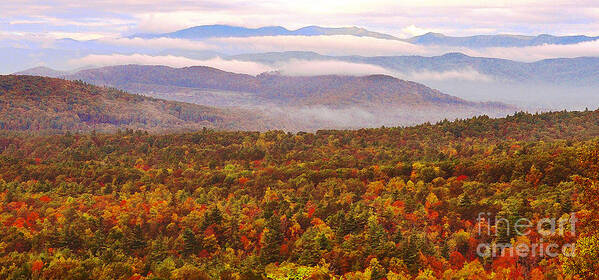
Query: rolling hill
point(310, 102)
point(49, 104)
point(332, 90)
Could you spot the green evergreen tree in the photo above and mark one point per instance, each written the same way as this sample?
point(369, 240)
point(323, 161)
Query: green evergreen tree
point(190, 243)
point(273, 239)
point(410, 253)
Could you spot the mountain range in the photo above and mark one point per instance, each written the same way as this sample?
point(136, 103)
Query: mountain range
point(215, 31)
point(580, 71)
point(302, 102)
point(573, 71)
point(499, 40)
point(550, 84)
point(64, 53)
point(431, 38)
point(330, 90)
point(555, 84)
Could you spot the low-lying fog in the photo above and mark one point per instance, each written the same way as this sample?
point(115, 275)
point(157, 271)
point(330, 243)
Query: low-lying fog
point(530, 97)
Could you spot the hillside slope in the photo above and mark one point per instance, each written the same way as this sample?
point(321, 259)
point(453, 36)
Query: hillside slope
point(40, 103)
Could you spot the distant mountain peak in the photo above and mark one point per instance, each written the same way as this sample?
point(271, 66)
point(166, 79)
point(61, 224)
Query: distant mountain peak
point(42, 71)
point(219, 31)
point(40, 68)
point(544, 36)
point(430, 38)
point(381, 77)
point(455, 55)
point(433, 34)
point(499, 40)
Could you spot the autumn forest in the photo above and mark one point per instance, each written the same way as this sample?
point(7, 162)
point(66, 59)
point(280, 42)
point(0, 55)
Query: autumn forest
point(299, 140)
point(384, 203)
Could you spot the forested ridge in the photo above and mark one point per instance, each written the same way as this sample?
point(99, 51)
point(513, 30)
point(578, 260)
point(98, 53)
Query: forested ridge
point(50, 105)
point(385, 203)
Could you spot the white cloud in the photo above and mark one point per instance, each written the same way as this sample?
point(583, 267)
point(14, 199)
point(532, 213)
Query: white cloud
point(159, 43)
point(468, 74)
point(536, 53)
point(351, 45)
point(413, 30)
point(82, 36)
point(26, 21)
point(164, 22)
point(320, 115)
point(528, 16)
point(343, 117)
point(251, 68)
point(525, 16)
point(334, 45)
point(297, 67)
point(292, 68)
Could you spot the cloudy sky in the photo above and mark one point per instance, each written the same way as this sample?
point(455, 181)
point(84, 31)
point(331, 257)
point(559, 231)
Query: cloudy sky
point(30, 30)
point(110, 18)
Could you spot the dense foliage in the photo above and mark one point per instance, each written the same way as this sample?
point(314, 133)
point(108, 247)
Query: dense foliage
point(388, 203)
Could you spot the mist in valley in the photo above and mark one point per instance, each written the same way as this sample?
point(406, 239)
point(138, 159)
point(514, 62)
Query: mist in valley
point(532, 97)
